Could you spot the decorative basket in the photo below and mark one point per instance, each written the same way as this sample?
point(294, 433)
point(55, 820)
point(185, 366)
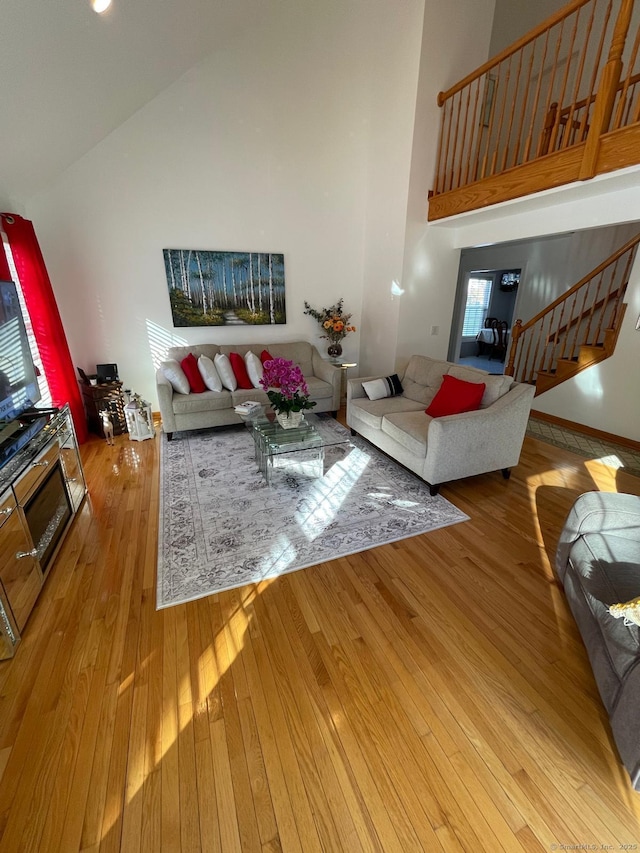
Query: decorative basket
point(289, 420)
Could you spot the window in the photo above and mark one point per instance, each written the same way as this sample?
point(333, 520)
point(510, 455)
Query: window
point(45, 399)
point(478, 296)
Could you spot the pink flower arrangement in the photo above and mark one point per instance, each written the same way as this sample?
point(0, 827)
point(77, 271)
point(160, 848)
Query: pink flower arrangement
point(285, 386)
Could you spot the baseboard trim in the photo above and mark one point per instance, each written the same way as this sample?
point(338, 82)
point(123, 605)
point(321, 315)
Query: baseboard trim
point(586, 430)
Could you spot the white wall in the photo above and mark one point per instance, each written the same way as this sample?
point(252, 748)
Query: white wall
point(10, 205)
point(394, 90)
point(452, 45)
point(514, 18)
point(430, 258)
point(273, 144)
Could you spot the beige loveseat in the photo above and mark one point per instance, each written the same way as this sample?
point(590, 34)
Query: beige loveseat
point(216, 408)
point(447, 448)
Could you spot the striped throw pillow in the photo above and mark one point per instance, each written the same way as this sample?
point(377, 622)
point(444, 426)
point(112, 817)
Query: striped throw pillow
point(388, 386)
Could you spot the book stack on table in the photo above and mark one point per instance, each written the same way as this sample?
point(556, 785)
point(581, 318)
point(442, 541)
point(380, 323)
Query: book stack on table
point(249, 407)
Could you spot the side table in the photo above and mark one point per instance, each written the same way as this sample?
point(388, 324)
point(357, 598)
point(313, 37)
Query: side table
point(105, 397)
point(344, 366)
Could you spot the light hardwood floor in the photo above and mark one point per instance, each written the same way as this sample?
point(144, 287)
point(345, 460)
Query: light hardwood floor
point(433, 694)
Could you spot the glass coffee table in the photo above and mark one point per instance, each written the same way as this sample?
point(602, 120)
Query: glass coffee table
point(302, 447)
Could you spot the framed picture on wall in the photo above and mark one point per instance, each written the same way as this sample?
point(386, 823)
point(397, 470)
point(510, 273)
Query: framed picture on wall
point(217, 288)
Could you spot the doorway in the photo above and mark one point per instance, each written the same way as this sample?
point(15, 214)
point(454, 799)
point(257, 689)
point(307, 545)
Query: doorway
point(488, 310)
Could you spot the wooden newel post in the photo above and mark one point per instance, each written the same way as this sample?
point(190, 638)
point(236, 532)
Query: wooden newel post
point(516, 331)
point(609, 80)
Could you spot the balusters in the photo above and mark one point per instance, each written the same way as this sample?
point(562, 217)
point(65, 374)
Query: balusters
point(553, 337)
point(620, 293)
point(523, 108)
point(595, 302)
point(534, 111)
point(447, 153)
point(595, 70)
point(626, 97)
point(553, 111)
point(475, 137)
point(574, 108)
point(464, 136)
point(528, 367)
point(505, 156)
point(505, 89)
point(455, 140)
point(502, 115)
point(563, 327)
point(537, 338)
point(579, 336)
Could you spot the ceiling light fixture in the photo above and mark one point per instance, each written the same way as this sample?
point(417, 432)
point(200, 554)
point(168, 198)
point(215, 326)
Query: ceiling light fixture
point(100, 6)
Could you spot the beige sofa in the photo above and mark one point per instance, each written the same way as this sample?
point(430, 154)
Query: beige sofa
point(447, 448)
point(216, 408)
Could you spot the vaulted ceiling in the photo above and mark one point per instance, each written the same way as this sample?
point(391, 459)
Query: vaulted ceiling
point(68, 77)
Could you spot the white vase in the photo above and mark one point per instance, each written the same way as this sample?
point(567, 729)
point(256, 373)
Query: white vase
point(289, 420)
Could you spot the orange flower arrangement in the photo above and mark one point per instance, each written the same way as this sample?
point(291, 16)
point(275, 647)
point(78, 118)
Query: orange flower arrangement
point(333, 320)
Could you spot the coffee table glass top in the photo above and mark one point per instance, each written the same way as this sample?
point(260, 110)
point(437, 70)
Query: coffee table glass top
point(314, 431)
point(273, 441)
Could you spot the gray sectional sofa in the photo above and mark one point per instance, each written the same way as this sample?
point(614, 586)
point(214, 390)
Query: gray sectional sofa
point(216, 408)
point(446, 448)
point(598, 564)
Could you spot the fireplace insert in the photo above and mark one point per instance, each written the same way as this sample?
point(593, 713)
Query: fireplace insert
point(47, 512)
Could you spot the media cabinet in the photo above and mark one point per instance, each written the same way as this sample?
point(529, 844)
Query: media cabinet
point(41, 490)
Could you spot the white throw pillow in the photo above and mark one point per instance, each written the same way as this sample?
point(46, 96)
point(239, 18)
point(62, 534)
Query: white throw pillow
point(254, 368)
point(388, 386)
point(209, 373)
point(225, 371)
point(176, 376)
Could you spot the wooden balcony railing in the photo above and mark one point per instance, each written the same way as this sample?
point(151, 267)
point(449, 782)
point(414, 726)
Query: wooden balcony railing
point(578, 329)
point(561, 104)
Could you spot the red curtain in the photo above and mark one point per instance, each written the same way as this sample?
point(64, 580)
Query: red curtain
point(45, 318)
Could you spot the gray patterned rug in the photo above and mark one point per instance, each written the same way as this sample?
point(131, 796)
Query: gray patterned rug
point(222, 526)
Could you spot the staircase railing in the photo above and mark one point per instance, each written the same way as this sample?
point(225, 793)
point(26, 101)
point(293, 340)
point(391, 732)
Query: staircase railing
point(587, 316)
point(560, 86)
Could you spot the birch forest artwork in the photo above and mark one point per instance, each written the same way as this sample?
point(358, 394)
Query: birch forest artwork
point(225, 288)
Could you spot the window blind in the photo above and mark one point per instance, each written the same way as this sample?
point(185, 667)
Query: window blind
point(478, 296)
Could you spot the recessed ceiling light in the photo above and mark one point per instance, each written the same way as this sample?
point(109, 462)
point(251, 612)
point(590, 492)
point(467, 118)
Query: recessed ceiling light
point(100, 6)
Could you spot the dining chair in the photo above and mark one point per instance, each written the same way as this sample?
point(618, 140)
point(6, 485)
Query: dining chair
point(500, 340)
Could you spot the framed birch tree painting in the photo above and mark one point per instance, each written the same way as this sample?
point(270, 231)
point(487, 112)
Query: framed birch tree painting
point(225, 288)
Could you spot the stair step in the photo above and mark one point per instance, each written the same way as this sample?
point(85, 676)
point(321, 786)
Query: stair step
point(590, 353)
point(545, 381)
point(566, 367)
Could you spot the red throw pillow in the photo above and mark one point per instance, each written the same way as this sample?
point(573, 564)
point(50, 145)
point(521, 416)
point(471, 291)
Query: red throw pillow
point(455, 396)
point(195, 380)
point(265, 356)
point(240, 370)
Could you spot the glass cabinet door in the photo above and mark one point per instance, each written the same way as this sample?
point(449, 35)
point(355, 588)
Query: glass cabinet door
point(72, 468)
point(19, 570)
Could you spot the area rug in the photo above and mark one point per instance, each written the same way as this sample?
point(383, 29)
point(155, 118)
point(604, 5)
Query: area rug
point(222, 526)
point(614, 455)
